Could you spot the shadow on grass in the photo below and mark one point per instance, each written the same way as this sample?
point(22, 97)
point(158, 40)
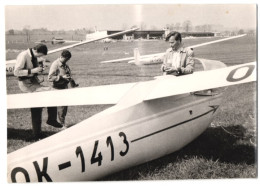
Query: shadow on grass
point(218, 144)
point(214, 144)
point(25, 134)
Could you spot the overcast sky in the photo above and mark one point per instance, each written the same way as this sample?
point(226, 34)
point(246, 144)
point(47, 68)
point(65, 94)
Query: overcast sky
point(112, 16)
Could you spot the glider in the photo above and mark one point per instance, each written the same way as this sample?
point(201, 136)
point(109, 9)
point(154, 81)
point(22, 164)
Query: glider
point(148, 120)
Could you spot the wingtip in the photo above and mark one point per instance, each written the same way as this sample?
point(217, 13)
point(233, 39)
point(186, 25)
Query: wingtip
point(136, 28)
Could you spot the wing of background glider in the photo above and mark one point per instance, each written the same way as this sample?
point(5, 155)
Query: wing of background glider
point(11, 63)
point(89, 41)
point(163, 87)
point(216, 41)
point(160, 54)
point(131, 58)
point(71, 41)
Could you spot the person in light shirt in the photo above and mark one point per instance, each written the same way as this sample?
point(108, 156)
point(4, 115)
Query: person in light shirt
point(60, 76)
point(26, 70)
point(177, 60)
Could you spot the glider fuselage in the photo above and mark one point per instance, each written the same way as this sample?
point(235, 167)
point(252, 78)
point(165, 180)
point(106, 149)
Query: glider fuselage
point(127, 134)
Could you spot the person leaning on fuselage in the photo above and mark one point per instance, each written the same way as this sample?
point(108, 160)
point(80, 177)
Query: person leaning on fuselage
point(177, 60)
point(26, 69)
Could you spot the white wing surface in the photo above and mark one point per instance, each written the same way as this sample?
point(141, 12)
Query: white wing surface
point(11, 63)
point(216, 41)
point(202, 80)
point(89, 41)
point(131, 58)
point(163, 87)
point(107, 94)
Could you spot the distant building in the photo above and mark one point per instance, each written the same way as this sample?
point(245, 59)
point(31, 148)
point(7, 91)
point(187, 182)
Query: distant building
point(197, 34)
point(217, 34)
point(145, 34)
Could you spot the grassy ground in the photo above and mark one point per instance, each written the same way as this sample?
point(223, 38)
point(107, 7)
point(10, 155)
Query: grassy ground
point(227, 149)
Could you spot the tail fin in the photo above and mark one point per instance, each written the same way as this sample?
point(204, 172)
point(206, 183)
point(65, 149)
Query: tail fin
point(136, 56)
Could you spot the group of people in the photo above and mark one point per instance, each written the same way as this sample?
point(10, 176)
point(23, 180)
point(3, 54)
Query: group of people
point(177, 61)
point(28, 67)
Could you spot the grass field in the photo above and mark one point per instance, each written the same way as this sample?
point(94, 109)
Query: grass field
point(227, 149)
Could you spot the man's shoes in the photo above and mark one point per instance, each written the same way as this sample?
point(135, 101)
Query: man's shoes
point(73, 84)
point(64, 127)
point(38, 137)
point(54, 124)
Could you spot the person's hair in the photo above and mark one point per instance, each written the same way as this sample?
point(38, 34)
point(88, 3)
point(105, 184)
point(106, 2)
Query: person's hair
point(41, 48)
point(177, 36)
point(66, 54)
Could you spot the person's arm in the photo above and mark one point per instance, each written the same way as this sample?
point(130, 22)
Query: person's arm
point(19, 70)
point(53, 77)
point(189, 63)
point(163, 66)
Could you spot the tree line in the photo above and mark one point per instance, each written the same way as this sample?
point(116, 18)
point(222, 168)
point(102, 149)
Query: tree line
point(185, 26)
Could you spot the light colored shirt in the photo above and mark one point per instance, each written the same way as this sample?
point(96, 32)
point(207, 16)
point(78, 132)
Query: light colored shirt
point(173, 58)
point(57, 70)
point(182, 59)
point(176, 59)
point(23, 63)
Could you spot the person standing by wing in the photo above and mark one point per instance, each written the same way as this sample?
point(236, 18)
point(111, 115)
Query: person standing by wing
point(60, 75)
point(177, 60)
point(26, 69)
